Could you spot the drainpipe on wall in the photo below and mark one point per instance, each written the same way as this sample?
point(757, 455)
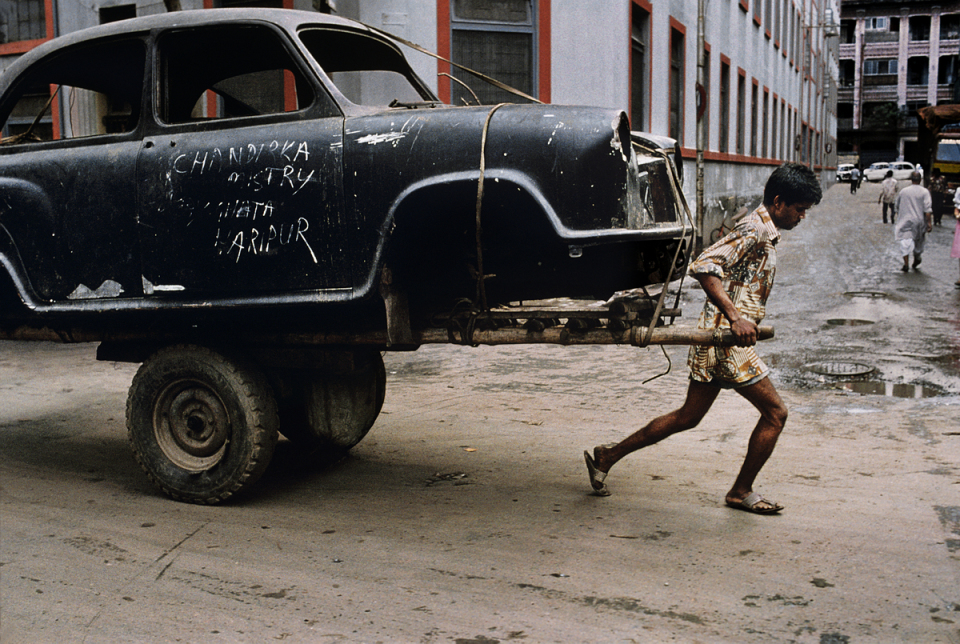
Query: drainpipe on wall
point(701, 96)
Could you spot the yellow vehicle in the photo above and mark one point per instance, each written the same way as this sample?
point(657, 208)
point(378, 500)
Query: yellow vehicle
point(947, 158)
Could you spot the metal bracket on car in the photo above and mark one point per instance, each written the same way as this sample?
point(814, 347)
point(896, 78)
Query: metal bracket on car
point(399, 330)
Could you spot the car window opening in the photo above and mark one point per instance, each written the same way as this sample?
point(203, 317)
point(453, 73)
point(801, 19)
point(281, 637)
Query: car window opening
point(63, 99)
point(225, 73)
point(366, 70)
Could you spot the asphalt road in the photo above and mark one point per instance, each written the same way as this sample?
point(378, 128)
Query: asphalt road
point(464, 516)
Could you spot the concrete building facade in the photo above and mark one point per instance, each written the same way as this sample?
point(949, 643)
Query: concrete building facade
point(765, 92)
point(895, 57)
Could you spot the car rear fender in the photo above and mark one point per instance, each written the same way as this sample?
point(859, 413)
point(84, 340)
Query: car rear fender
point(409, 202)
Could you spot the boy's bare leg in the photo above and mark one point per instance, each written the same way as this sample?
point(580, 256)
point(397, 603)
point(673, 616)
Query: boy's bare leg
point(700, 397)
point(773, 415)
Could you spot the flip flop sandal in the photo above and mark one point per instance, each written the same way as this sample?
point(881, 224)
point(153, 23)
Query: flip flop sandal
point(750, 503)
point(596, 476)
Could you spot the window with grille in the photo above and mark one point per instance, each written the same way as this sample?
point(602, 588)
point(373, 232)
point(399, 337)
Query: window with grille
point(706, 95)
point(496, 38)
point(920, 28)
point(766, 119)
point(950, 27)
point(947, 70)
point(677, 50)
point(773, 130)
point(741, 112)
point(639, 48)
point(880, 67)
point(22, 20)
point(724, 105)
point(918, 72)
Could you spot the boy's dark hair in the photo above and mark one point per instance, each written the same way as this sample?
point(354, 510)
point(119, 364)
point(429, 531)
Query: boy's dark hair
point(793, 183)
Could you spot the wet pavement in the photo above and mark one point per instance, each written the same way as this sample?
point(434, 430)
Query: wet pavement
point(464, 516)
point(841, 297)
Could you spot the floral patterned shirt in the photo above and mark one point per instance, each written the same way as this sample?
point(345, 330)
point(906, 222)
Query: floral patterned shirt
point(938, 184)
point(746, 262)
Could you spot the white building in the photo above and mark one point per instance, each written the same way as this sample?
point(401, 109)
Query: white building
point(768, 82)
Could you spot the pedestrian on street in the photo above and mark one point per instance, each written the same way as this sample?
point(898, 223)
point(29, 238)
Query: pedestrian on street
point(854, 180)
point(955, 251)
point(736, 274)
point(888, 195)
point(938, 193)
point(914, 220)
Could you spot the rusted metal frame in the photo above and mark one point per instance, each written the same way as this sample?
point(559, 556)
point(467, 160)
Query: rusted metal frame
point(681, 200)
point(632, 335)
point(524, 313)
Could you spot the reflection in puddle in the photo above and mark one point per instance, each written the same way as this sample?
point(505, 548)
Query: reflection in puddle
point(870, 294)
point(847, 369)
point(890, 389)
point(848, 322)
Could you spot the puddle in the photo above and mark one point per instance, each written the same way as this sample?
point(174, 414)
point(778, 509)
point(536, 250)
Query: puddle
point(848, 322)
point(870, 294)
point(890, 389)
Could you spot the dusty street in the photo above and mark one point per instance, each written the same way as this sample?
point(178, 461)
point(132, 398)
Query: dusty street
point(464, 515)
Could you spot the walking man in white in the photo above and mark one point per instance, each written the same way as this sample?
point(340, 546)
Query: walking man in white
point(914, 208)
point(888, 195)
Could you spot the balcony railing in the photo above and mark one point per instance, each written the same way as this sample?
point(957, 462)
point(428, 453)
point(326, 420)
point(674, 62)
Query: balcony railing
point(871, 36)
point(907, 121)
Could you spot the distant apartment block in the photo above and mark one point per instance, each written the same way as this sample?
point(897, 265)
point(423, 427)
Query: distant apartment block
point(895, 57)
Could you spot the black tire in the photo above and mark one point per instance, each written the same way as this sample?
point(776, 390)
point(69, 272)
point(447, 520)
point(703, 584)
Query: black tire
point(331, 411)
point(202, 426)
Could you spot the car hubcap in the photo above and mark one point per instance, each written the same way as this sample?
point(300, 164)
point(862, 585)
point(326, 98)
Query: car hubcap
point(192, 425)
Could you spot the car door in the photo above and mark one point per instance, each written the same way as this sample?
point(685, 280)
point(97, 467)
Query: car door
point(241, 179)
point(67, 171)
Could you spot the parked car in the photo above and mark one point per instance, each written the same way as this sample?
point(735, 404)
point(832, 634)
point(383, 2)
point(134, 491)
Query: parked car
point(255, 203)
point(876, 171)
point(901, 170)
point(844, 170)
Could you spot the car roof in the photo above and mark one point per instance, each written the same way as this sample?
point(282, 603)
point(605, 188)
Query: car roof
point(287, 18)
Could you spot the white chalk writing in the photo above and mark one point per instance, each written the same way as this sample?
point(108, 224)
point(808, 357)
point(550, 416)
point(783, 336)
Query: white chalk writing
point(249, 225)
point(261, 240)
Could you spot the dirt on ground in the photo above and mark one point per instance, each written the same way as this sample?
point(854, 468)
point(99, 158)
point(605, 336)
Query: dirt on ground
point(465, 515)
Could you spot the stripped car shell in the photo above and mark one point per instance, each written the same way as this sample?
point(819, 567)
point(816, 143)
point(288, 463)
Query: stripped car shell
point(305, 206)
point(255, 203)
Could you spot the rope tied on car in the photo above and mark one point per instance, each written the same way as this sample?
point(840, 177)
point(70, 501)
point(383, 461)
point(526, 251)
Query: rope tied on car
point(481, 298)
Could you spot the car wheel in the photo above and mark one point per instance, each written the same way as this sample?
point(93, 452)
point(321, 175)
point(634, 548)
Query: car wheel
point(331, 410)
point(203, 426)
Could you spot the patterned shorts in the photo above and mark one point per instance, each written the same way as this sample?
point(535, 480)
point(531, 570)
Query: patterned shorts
point(728, 367)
